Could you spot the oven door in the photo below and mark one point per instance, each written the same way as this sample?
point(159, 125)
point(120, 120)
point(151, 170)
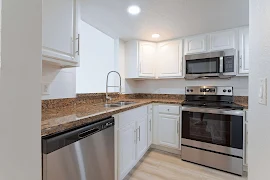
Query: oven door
point(213, 129)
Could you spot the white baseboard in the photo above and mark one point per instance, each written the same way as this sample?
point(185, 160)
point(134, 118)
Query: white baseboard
point(166, 149)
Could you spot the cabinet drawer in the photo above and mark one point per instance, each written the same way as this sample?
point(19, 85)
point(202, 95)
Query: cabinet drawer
point(169, 109)
point(131, 116)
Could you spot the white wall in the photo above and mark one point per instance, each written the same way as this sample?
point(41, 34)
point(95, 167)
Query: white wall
point(259, 115)
point(96, 60)
point(62, 81)
point(120, 63)
point(20, 90)
point(177, 86)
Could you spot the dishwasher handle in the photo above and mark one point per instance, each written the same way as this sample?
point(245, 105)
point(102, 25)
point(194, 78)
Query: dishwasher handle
point(60, 140)
point(88, 133)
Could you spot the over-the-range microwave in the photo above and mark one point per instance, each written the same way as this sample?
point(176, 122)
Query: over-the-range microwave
point(220, 64)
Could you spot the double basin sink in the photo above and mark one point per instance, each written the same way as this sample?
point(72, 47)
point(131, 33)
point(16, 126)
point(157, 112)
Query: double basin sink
point(119, 104)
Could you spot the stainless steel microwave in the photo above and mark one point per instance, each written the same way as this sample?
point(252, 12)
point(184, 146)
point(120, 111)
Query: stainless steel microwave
point(220, 64)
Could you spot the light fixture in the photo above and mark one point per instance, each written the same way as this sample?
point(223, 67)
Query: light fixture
point(155, 35)
point(134, 10)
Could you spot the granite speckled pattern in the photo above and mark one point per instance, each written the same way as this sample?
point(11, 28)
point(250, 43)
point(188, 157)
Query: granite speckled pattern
point(64, 114)
point(241, 100)
point(58, 120)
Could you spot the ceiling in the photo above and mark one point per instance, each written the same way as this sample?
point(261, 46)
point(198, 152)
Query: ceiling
point(169, 18)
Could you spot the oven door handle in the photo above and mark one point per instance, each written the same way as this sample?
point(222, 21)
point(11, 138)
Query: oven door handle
point(213, 111)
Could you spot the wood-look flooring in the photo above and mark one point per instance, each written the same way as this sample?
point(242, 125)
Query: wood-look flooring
point(158, 165)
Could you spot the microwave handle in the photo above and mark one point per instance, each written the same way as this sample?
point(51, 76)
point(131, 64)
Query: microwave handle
point(221, 65)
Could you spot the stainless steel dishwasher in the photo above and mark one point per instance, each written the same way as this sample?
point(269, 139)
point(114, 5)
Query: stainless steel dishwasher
point(86, 153)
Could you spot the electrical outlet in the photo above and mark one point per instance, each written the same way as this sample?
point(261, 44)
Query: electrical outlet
point(45, 89)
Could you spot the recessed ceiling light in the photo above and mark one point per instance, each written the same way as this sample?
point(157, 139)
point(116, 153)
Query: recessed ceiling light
point(155, 35)
point(134, 10)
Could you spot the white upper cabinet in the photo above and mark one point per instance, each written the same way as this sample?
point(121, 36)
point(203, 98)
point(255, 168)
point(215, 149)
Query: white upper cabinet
point(60, 32)
point(170, 56)
point(166, 59)
point(168, 131)
point(196, 44)
point(147, 54)
point(222, 40)
point(244, 50)
point(140, 57)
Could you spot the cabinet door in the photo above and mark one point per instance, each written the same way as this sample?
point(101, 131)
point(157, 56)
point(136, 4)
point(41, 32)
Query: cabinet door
point(222, 40)
point(196, 44)
point(126, 149)
point(244, 50)
point(168, 130)
point(150, 129)
point(170, 55)
point(59, 29)
point(147, 51)
point(141, 137)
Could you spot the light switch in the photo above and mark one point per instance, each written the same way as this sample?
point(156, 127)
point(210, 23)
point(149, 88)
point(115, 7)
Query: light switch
point(45, 89)
point(263, 91)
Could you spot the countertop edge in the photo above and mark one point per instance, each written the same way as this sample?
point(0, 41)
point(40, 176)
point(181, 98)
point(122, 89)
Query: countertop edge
point(102, 115)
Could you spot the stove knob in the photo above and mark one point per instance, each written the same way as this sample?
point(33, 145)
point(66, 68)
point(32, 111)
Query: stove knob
point(224, 90)
point(191, 90)
point(187, 90)
point(229, 90)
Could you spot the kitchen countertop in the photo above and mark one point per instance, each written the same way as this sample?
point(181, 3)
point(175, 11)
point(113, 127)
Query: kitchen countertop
point(59, 120)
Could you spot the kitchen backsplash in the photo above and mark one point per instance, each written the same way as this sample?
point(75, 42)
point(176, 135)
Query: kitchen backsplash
point(95, 98)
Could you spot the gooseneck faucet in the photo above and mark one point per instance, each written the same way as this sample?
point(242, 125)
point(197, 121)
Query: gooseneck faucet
point(107, 86)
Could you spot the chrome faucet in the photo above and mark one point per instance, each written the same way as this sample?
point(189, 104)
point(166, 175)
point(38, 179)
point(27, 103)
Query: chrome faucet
point(107, 97)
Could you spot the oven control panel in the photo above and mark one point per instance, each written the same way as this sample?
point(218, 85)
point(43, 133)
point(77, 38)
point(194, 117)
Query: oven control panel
point(209, 90)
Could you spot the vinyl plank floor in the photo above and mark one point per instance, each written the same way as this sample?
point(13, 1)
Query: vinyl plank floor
point(158, 165)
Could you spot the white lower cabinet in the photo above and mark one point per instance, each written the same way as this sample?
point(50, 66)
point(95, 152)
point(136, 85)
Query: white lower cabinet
point(132, 139)
point(167, 126)
point(141, 138)
point(126, 148)
point(136, 130)
point(168, 130)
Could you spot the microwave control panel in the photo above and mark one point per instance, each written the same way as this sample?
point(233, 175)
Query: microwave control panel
point(228, 64)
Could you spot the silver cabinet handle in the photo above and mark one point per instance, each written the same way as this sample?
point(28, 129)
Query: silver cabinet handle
point(78, 38)
point(240, 61)
point(139, 133)
point(177, 127)
point(150, 124)
point(135, 139)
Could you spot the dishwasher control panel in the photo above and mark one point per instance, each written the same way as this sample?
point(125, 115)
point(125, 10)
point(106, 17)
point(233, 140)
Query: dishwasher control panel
point(60, 140)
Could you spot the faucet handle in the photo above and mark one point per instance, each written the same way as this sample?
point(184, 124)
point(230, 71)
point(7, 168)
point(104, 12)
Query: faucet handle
point(108, 98)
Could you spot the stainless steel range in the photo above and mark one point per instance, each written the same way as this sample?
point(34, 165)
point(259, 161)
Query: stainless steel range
point(212, 129)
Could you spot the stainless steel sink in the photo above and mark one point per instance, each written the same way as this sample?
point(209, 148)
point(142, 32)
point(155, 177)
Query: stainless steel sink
point(120, 104)
point(112, 105)
point(123, 103)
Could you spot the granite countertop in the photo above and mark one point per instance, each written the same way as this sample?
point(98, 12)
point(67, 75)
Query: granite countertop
point(59, 120)
point(245, 106)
